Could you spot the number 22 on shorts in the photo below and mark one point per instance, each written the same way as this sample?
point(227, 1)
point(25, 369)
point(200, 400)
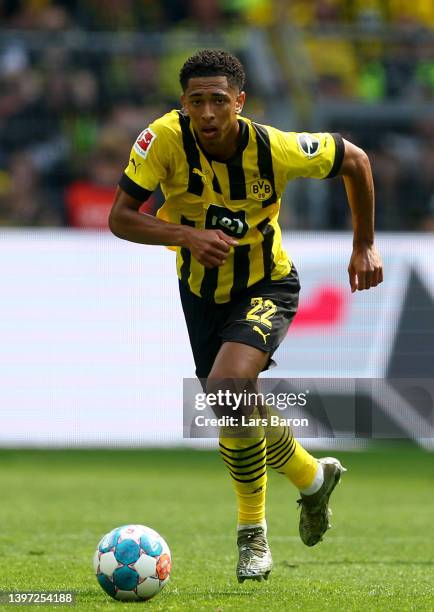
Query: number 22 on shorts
point(262, 311)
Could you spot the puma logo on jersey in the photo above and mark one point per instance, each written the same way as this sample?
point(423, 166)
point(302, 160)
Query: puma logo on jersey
point(260, 332)
point(201, 174)
point(135, 165)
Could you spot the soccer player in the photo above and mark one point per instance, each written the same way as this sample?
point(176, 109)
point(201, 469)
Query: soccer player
point(222, 176)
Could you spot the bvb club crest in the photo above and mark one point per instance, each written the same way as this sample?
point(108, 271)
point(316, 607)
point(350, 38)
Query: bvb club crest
point(261, 190)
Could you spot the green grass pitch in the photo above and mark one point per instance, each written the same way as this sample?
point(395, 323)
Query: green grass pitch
point(55, 505)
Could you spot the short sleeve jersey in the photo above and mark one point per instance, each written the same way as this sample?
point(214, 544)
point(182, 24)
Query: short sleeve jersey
point(240, 196)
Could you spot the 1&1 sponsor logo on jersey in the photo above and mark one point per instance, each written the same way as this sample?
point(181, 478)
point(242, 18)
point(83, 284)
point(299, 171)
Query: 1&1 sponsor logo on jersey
point(232, 223)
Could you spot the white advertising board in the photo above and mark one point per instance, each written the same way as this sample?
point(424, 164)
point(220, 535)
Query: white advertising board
point(93, 343)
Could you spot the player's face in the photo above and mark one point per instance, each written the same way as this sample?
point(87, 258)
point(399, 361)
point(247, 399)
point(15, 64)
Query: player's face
point(212, 105)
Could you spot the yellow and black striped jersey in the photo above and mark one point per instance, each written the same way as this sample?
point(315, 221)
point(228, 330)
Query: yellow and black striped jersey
point(241, 196)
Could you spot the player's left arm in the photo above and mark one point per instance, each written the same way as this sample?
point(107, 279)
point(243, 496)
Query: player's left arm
point(365, 268)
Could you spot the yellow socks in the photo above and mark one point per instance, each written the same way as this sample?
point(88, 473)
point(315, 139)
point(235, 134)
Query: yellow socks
point(287, 456)
point(246, 461)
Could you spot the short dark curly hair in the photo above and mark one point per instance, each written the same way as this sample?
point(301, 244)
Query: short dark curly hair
point(213, 62)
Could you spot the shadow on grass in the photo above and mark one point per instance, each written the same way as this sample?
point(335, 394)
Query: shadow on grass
point(85, 595)
point(343, 562)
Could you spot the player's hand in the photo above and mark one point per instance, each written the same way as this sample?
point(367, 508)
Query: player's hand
point(366, 268)
point(209, 247)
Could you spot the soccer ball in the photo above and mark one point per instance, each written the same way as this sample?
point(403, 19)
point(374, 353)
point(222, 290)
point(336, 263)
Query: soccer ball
point(132, 563)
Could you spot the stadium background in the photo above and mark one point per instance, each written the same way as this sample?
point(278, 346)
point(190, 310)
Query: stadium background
point(80, 79)
point(93, 347)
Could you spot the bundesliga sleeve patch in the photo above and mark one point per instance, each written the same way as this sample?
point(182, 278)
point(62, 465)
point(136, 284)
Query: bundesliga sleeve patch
point(144, 142)
point(308, 144)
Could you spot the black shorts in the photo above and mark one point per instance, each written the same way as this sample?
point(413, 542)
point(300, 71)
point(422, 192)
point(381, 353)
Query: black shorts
point(259, 316)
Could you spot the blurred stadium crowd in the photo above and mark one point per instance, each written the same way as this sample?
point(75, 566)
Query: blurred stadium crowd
point(80, 78)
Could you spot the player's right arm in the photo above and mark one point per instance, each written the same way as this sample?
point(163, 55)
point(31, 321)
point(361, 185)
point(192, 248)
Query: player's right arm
point(151, 163)
point(209, 247)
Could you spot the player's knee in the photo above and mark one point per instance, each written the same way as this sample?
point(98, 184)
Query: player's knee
point(227, 396)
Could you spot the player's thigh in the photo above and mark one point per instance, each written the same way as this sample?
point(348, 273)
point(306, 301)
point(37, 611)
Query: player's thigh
point(238, 360)
point(260, 318)
point(204, 322)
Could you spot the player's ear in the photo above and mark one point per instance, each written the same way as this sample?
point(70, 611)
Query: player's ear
point(184, 110)
point(241, 98)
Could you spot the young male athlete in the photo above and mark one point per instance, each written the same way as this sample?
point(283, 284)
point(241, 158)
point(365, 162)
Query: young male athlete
point(222, 176)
